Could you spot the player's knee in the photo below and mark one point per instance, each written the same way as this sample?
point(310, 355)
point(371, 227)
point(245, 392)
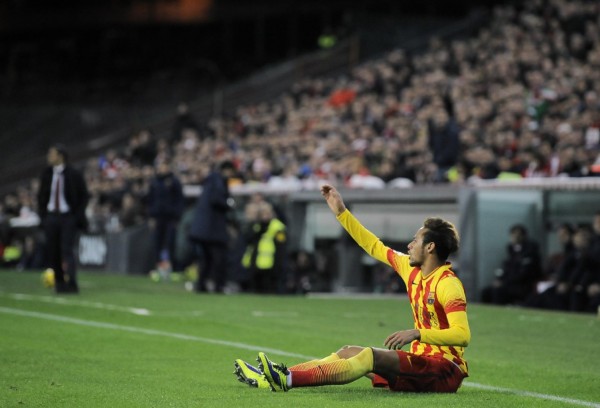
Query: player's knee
point(349, 351)
point(385, 361)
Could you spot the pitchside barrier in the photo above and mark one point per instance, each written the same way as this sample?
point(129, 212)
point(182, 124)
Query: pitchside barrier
point(126, 252)
point(489, 208)
point(482, 211)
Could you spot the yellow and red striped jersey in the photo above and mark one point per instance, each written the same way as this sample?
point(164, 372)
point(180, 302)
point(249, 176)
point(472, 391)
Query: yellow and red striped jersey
point(438, 301)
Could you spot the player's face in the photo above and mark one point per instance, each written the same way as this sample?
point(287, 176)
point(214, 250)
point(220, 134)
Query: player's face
point(416, 252)
point(53, 157)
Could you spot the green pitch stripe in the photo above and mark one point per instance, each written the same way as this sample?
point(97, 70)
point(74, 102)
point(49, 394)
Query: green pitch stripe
point(244, 346)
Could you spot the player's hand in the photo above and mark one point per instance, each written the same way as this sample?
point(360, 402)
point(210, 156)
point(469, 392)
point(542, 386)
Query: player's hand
point(334, 199)
point(397, 340)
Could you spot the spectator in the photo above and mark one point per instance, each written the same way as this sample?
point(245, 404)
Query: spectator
point(62, 200)
point(183, 122)
point(27, 216)
point(142, 149)
point(208, 230)
point(266, 253)
point(11, 206)
point(4, 225)
point(165, 207)
point(520, 270)
point(577, 274)
point(593, 279)
point(565, 235)
point(444, 143)
point(112, 164)
point(32, 256)
point(247, 237)
point(302, 270)
point(130, 213)
point(545, 293)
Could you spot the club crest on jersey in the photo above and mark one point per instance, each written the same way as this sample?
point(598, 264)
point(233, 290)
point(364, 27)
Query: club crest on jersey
point(431, 298)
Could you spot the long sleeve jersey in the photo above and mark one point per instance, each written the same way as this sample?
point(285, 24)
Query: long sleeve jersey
point(438, 300)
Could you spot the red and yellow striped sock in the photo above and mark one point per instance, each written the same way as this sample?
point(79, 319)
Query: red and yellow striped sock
point(313, 363)
point(340, 371)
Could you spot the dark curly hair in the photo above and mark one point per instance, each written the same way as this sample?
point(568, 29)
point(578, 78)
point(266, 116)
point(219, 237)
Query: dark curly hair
point(443, 234)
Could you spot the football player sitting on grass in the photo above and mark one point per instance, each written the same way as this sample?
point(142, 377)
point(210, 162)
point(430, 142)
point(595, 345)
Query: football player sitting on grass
point(435, 362)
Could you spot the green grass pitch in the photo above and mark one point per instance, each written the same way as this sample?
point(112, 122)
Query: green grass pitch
point(129, 342)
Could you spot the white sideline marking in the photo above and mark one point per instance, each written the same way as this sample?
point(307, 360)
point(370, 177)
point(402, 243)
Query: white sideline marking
point(262, 313)
point(244, 346)
point(532, 394)
point(104, 306)
point(96, 305)
point(174, 313)
point(151, 332)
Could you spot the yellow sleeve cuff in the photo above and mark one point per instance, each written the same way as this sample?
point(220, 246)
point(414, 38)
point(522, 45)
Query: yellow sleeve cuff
point(458, 334)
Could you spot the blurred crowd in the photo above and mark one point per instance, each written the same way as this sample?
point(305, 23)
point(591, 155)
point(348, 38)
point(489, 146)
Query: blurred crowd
point(517, 100)
point(568, 279)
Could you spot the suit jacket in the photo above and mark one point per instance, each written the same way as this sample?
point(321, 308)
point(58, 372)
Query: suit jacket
point(209, 223)
point(165, 198)
point(75, 192)
point(522, 267)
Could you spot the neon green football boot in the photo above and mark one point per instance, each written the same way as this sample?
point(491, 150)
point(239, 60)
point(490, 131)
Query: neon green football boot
point(250, 375)
point(276, 374)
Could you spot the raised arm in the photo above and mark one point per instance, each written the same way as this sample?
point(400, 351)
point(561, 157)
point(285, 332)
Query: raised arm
point(363, 237)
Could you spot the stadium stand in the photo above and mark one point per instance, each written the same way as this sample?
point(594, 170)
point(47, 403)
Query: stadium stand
point(522, 93)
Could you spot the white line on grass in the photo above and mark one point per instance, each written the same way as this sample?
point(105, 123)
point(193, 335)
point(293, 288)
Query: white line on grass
point(244, 346)
point(180, 313)
point(532, 394)
point(103, 306)
point(262, 313)
point(95, 305)
point(151, 332)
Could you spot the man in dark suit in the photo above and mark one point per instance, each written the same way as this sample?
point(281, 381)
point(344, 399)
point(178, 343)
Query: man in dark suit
point(208, 230)
point(165, 207)
point(62, 199)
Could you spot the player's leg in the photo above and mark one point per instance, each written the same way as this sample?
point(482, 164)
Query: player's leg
point(252, 376)
point(344, 352)
point(52, 247)
point(68, 238)
point(313, 363)
point(358, 363)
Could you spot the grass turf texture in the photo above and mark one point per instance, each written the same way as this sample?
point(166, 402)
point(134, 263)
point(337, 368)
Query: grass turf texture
point(53, 363)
